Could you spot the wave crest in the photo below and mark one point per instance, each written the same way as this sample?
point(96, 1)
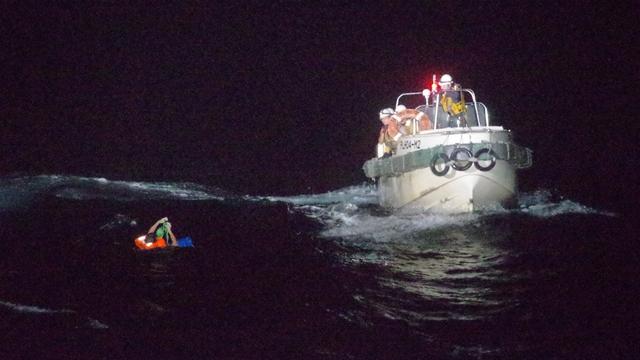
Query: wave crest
point(33, 309)
point(18, 192)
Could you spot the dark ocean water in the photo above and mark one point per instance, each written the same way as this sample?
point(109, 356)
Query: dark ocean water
point(319, 276)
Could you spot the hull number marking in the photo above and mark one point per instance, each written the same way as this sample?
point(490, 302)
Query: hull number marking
point(409, 144)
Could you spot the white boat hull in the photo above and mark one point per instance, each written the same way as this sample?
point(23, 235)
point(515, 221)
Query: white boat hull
point(455, 192)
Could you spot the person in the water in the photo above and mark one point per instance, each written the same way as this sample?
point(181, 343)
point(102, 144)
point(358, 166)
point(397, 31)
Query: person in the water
point(159, 235)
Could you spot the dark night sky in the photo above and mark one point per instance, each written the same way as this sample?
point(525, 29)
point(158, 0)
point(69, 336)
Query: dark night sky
point(284, 98)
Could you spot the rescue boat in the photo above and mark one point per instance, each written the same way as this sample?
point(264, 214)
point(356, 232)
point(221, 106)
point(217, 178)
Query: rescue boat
point(452, 167)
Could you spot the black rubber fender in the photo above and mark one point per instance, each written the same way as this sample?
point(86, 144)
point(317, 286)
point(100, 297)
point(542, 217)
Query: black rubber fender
point(454, 159)
point(482, 152)
point(434, 161)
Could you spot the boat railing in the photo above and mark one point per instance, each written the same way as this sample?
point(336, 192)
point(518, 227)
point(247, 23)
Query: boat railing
point(422, 93)
point(475, 114)
point(470, 108)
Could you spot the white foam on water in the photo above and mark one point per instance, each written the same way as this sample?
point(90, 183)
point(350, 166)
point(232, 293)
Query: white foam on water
point(119, 220)
point(99, 188)
point(95, 324)
point(36, 310)
point(391, 228)
point(19, 192)
point(358, 195)
point(352, 212)
point(33, 309)
point(540, 203)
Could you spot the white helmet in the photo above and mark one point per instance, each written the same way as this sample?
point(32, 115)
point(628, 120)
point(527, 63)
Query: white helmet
point(400, 107)
point(386, 113)
point(445, 81)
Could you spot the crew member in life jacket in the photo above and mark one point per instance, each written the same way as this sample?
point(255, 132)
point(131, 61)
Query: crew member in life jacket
point(159, 235)
point(406, 119)
point(389, 134)
point(452, 101)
